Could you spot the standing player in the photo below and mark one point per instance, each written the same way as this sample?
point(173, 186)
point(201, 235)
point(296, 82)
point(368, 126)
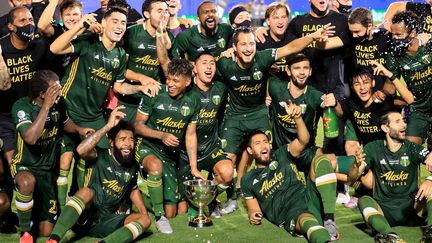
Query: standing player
point(211, 156)
point(209, 36)
point(397, 196)
point(40, 119)
point(111, 179)
point(165, 124)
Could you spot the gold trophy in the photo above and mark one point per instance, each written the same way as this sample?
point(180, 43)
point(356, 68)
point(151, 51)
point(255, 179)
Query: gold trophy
point(200, 193)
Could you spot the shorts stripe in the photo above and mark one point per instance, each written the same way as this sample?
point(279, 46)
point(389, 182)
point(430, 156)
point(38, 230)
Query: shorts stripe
point(71, 78)
point(74, 204)
point(369, 211)
point(24, 206)
point(326, 179)
point(313, 229)
point(62, 181)
point(133, 229)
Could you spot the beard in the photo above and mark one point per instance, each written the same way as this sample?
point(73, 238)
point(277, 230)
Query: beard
point(298, 84)
point(260, 161)
point(396, 136)
point(124, 160)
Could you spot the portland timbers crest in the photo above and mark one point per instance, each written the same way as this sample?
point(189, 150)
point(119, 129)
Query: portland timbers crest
point(115, 62)
point(273, 165)
point(257, 75)
point(185, 110)
point(127, 176)
point(404, 161)
point(426, 59)
point(221, 43)
point(216, 99)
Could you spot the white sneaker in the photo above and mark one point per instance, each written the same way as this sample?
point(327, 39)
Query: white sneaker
point(229, 207)
point(342, 198)
point(163, 225)
point(216, 213)
point(331, 227)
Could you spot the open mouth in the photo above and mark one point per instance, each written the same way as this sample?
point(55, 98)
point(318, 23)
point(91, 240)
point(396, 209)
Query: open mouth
point(211, 22)
point(208, 74)
point(126, 151)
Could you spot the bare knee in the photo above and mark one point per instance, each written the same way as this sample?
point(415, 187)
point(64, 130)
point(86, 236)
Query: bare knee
point(4, 203)
point(153, 165)
point(224, 171)
point(25, 182)
point(86, 194)
point(182, 207)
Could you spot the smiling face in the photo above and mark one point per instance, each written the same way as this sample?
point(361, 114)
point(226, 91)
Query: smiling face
point(245, 48)
point(208, 17)
point(363, 87)
point(114, 26)
point(124, 147)
point(259, 148)
point(158, 11)
point(177, 84)
point(173, 7)
point(299, 72)
point(278, 21)
point(396, 127)
point(71, 16)
point(205, 68)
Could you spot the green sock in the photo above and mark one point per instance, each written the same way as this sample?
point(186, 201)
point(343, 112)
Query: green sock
point(24, 206)
point(372, 216)
point(81, 173)
point(313, 230)
point(127, 233)
point(154, 183)
point(69, 216)
point(325, 181)
point(62, 187)
point(221, 188)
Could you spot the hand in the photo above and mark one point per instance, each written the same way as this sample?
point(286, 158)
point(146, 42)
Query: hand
point(268, 101)
point(379, 69)
point(228, 53)
point(255, 218)
point(162, 24)
point(292, 109)
point(323, 33)
point(329, 100)
point(378, 96)
point(170, 140)
point(87, 20)
point(424, 38)
point(85, 131)
point(149, 86)
point(96, 28)
point(261, 33)
point(186, 22)
point(197, 174)
point(51, 96)
point(360, 156)
point(428, 162)
point(425, 191)
point(115, 116)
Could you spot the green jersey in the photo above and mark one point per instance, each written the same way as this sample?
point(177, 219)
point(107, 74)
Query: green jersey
point(247, 87)
point(110, 181)
point(396, 174)
point(284, 128)
point(417, 73)
point(192, 42)
point(89, 77)
point(45, 153)
point(277, 187)
point(169, 115)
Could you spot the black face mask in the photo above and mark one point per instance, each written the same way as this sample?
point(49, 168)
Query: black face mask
point(244, 24)
point(317, 11)
point(346, 9)
point(400, 47)
point(362, 39)
point(26, 32)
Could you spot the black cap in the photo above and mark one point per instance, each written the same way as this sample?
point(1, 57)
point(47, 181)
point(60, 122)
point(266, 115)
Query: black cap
point(234, 12)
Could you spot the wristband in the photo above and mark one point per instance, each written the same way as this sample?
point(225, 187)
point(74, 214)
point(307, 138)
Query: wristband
point(86, 25)
point(393, 78)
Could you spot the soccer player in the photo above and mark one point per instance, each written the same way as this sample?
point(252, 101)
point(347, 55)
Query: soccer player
point(41, 120)
point(176, 24)
point(166, 123)
point(111, 179)
point(209, 36)
point(133, 16)
point(273, 189)
point(422, 10)
point(397, 196)
point(211, 156)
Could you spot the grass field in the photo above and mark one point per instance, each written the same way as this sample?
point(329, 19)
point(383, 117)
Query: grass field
point(235, 228)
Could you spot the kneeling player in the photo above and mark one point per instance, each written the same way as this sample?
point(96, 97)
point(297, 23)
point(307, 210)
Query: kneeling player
point(397, 198)
point(273, 189)
point(110, 179)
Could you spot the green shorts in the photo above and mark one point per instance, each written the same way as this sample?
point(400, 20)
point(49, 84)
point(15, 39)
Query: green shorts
point(45, 206)
point(130, 111)
point(207, 163)
point(169, 173)
point(233, 131)
point(345, 163)
point(400, 212)
point(418, 124)
point(295, 206)
point(69, 142)
point(96, 125)
point(304, 161)
point(314, 201)
point(350, 134)
point(106, 225)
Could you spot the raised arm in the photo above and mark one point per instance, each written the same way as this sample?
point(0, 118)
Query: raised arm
point(392, 9)
point(358, 167)
point(191, 149)
point(44, 24)
point(161, 47)
point(298, 144)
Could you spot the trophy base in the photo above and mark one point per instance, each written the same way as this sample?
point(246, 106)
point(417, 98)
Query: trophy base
point(200, 224)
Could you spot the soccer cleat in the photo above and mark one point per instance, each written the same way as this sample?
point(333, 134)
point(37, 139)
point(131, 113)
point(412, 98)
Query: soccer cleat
point(26, 238)
point(229, 207)
point(216, 212)
point(427, 235)
point(331, 227)
point(163, 225)
point(388, 238)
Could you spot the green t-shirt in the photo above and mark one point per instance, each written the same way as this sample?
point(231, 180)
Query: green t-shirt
point(284, 128)
point(417, 73)
point(169, 115)
point(189, 43)
point(90, 75)
point(247, 87)
point(277, 187)
point(45, 153)
point(396, 174)
point(111, 182)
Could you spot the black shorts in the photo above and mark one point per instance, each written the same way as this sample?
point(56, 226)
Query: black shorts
point(7, 132)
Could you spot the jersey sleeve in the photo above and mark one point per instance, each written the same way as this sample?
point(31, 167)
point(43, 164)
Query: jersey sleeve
point(122, 69)
point(245, 186)
point(197, 106)
point(221, 65)
point(369, 151)
point(267, 57)
point(146, 105)
point(418, 153)
point(79, 45)
point(391, 65)
point(21, 116)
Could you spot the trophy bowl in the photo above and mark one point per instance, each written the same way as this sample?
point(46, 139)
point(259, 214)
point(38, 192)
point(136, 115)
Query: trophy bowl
point(200, 193)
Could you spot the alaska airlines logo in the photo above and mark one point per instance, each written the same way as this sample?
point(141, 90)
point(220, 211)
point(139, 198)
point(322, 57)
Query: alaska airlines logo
point(286, 119)
point(207, 114)
point(422, 75)
point(269, 184)
point(101, 73)
point(49, 134)
point(390, 176)
point(247, 90)
point(113, 185)
point(168, 122)
point(147, 60)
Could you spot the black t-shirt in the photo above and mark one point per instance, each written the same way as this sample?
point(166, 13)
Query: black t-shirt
point(22, 64)
point(375, 49)
point(423, 10)
point(328, 66)
point(3, 26)
point(366, 121)
point(132, 17)
point(280, 67)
